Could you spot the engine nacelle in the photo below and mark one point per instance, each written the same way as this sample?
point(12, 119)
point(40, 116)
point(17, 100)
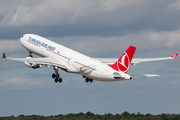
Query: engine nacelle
point(32, 65)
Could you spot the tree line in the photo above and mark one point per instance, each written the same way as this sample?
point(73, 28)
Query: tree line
point(91, 116)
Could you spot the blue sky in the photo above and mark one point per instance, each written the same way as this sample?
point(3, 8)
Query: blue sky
point(97, 28)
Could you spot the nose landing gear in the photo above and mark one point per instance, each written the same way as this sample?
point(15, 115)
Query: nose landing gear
point(30, 54)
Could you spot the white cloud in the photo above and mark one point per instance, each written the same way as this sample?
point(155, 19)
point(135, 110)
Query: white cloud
point(175, 5)
point(109, 5)
point(45, 12)
point(10, 45)
point(18, 83)
point(144, 41)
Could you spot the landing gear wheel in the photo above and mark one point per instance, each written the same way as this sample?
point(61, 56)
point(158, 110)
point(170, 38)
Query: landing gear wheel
point(87, 80)
point(53, 75)
point(91, 80)
point(56, 80)
point(60, 80)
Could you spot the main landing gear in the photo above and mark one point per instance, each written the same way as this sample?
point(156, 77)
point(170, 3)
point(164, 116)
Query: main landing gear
point(56, 76)
point(88, 79)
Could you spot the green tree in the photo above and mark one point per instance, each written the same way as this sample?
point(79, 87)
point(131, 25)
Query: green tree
point(126, 114)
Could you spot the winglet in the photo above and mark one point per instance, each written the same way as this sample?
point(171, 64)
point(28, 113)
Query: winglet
point(173, 56)
point(4, 56)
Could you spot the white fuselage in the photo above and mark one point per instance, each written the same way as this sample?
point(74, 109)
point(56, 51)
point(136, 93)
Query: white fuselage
point(73, 61)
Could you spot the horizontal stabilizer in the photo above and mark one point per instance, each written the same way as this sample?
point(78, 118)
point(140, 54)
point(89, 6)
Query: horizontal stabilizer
point(147, 75)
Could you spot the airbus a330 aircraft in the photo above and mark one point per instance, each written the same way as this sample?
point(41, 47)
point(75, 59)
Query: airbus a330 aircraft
point(58, 56)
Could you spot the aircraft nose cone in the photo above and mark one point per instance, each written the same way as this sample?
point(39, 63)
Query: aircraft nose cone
point(22, 40)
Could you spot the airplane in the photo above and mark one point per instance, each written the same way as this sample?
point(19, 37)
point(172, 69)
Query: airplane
point(61, 57)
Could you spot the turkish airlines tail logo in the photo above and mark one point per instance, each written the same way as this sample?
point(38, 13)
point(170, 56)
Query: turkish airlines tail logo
point(125, 60)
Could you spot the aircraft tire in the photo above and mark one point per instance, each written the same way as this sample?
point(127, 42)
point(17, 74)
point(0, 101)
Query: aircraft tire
point(53, 75)
point(91, 80)
point(60, 80)
point(87, 80)
point(56, 80)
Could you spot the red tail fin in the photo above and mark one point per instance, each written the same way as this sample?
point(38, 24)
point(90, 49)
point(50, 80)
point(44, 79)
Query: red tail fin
point(125, 60)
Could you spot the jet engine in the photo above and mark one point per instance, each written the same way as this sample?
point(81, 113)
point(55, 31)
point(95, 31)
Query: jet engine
point(32, 65)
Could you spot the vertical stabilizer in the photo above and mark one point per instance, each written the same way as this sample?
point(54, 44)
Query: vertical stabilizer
point(125, 60)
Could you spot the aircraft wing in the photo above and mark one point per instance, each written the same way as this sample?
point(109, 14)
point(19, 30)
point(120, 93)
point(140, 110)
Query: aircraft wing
point(38, 61)
point(110, 61)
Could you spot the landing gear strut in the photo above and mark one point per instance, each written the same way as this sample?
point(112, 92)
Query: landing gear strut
point(56, 75)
